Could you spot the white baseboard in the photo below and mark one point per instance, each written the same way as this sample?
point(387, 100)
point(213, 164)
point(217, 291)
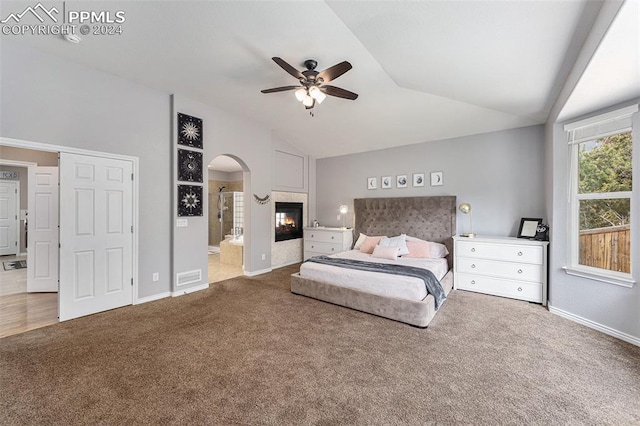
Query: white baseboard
point(152, 298)
point(596, 326)
point(259, 272)
point(286, 264)
point(190, 290)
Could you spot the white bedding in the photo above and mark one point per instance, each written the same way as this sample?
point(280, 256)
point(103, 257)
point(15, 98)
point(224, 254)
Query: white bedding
point(375, 282)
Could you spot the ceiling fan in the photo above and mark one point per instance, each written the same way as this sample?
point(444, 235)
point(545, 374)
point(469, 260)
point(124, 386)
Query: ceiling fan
point(313, 87)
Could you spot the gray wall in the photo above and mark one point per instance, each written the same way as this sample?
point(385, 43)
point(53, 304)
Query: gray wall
point(49, 100)
point(250, 145)
point(606, 305)
point(499, 173)
point(46, 99)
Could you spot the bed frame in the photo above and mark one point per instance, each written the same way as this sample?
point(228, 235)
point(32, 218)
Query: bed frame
point(428, 218)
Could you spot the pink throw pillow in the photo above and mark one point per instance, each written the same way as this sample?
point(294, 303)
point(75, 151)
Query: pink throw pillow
point(370, 243)
point(382, 252)
point(418, 249)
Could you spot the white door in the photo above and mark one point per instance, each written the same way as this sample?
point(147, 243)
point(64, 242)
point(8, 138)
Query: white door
point(96, 235)
point(42, 230)
point(8, 218)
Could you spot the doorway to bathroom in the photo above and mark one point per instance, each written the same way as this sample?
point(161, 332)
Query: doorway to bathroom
point(226, 218)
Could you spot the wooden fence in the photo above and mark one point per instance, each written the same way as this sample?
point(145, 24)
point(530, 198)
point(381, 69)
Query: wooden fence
point(606, 248)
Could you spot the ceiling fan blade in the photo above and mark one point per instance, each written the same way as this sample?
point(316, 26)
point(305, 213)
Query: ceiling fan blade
point(338, 92)
point(334, 72)
point(288, 68)
point(280, 89)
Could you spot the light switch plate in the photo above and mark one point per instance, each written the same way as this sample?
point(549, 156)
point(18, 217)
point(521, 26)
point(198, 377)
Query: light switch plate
point(182, 223)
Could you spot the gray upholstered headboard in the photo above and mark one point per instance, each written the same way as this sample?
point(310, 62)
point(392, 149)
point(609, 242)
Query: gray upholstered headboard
point(427, 218)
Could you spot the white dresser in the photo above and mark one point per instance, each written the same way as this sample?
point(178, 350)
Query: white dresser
point(319, 241)
point(502, 266)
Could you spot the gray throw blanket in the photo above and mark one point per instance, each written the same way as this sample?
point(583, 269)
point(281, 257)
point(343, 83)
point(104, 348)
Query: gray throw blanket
point(430, 281)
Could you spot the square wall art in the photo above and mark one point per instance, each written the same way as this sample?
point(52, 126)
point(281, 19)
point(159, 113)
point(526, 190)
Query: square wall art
point(189, 131)
point(189, 166)
point(189, 200)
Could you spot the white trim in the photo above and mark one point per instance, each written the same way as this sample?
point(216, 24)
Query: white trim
point(602, 117)
point(190, 290)
point(597, 274)
point(286, 264)
point(14, 163)
point(152, 298)
point(596, 326)
point(39, 146)
point(258, 272)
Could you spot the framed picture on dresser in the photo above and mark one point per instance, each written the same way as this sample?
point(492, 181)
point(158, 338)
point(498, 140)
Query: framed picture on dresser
point(528, 227)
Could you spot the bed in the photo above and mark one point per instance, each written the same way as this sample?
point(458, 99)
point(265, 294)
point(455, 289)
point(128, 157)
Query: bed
point(427, 218)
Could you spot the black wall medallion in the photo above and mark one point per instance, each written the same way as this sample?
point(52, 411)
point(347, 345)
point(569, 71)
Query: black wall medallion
point(189, 131)
point(189, 200)
point(189, 166)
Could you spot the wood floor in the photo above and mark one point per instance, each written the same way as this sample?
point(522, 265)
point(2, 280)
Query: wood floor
point(21, 311)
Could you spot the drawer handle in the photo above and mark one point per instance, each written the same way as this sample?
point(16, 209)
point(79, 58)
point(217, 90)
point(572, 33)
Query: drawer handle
point(519, 271)
point(313, 246)
point(332, 238)
point(332, 249)
point(519, 288)
point(519, 253)
point(473, 281)
point(473, 250)
point(473, 265)
point(312, 235)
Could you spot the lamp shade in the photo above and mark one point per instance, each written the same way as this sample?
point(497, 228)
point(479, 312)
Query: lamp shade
point(320, 97)
point(300, 94)
point(307, 101)
point(465, 208)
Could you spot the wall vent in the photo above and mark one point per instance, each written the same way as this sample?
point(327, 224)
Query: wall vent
point(189, 277)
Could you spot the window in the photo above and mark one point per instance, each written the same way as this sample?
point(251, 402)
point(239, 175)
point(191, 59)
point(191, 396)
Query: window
point(600, 223)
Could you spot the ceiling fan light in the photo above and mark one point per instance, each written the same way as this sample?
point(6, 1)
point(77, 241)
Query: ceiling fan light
point(320, 97)
point(307, 101)
point(301, 93)
point(314, 91)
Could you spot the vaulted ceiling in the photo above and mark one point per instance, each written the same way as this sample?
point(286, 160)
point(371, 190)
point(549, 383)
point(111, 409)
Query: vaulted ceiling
point(424, 71)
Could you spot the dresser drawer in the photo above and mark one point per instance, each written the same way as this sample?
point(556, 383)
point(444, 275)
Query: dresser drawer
point(320, 247)
point(506, 288)
point(531, 292)
point(324, 236)
point(506, 252)
point(511, 270)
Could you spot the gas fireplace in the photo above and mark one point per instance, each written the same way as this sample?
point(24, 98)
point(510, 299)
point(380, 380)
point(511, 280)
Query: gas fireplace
point(288, 221)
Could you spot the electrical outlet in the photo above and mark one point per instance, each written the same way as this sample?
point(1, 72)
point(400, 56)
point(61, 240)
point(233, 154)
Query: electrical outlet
point(264, 256)
point(338, 217)
point(156, 276)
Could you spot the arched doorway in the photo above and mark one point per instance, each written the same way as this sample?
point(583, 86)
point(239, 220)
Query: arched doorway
point(227, 213)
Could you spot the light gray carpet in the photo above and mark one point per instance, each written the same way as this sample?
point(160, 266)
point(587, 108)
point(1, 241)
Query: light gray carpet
point(247, 351)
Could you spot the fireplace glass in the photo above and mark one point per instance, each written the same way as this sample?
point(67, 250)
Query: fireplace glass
point(288, 221)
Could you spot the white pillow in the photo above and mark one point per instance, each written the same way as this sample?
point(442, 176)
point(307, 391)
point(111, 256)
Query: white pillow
point(359, 242)
point(437, 250)
point(381, 252)
point(400, 242)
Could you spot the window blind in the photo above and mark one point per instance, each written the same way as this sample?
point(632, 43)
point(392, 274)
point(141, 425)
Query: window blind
point(601, 126)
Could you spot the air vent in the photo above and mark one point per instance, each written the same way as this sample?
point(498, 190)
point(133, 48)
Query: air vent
point(189, 277)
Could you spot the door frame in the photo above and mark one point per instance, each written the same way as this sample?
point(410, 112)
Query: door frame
point(17, 236)
point(25, 164)
point(39, 146)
